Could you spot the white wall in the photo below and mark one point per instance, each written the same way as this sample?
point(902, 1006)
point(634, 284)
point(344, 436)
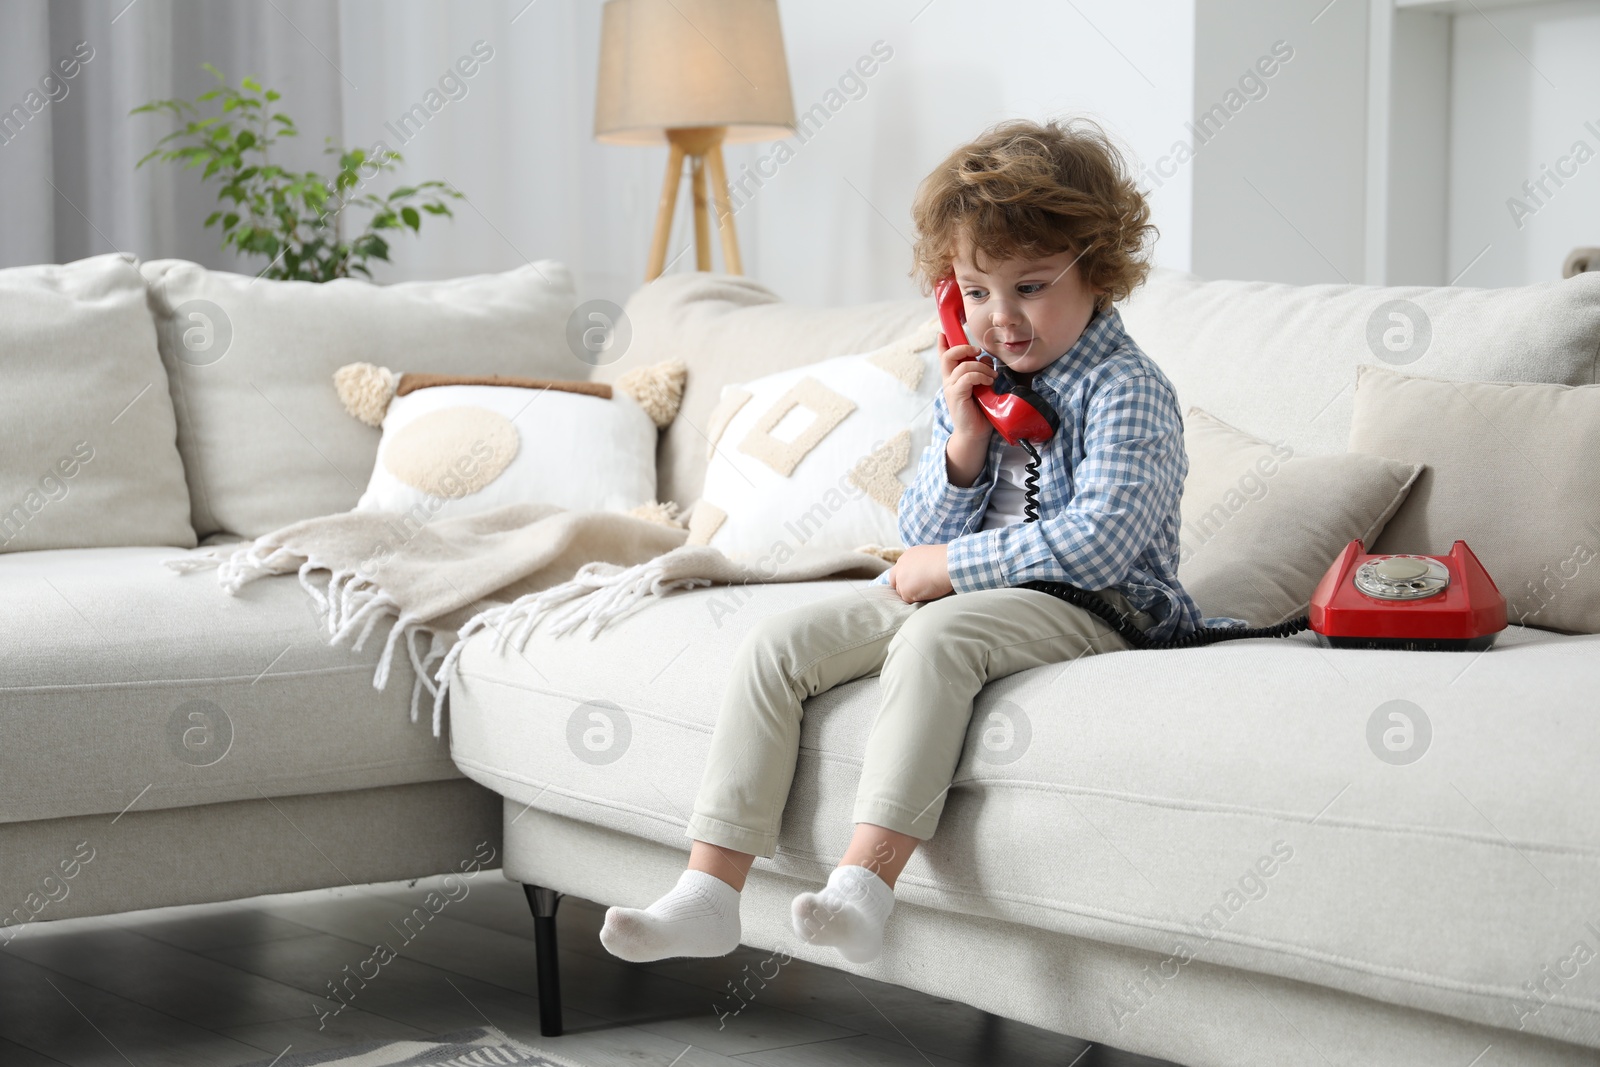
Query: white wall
point(1279, 193)
point(831, 226)
point(1524, 82)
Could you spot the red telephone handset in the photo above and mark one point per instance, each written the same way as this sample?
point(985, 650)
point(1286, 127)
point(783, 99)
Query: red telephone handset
point(1017, 412)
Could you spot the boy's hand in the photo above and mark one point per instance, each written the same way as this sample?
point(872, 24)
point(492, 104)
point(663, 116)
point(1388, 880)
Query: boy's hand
point(921, 573)
point(967, 450)
point(962, 370)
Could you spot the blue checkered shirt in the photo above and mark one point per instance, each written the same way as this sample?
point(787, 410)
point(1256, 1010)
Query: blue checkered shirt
point(1110, 481)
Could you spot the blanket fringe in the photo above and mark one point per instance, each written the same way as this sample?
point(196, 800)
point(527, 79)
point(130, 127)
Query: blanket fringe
point(596, 595)
point(239, 566)
point(441, 679)
point(422, 669)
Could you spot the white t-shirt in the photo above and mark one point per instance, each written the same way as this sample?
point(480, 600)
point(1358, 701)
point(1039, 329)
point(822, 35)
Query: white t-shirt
point(1007, 499)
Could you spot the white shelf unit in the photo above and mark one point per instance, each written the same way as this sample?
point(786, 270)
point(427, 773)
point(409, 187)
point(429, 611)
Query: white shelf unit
point(1410, 123)
point(1387, 149)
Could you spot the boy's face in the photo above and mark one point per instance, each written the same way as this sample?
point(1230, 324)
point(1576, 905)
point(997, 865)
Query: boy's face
point(1028, 313)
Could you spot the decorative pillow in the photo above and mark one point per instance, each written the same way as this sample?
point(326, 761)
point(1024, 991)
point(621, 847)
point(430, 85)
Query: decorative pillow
point(733, 329)
point(1511, 471)
point(818, 455)
point(1261, 525)
point(90, 456)
point(457, 445)
point(263, 440)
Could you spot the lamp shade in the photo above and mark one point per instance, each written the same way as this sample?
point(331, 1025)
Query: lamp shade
point(668, 64)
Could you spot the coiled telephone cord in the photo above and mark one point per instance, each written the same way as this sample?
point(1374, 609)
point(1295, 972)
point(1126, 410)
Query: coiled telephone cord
point(1120, 621)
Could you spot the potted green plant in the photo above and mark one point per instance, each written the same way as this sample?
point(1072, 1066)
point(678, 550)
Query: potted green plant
point(296, 219)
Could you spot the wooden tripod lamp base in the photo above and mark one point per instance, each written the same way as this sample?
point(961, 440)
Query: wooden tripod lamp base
point(703, 146)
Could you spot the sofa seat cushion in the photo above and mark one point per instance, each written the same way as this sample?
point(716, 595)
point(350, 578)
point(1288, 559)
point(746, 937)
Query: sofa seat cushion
point(123, 679)
point(1413, 827)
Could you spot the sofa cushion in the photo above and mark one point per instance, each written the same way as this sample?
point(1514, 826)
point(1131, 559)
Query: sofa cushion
point(1255, 803)
point(730, 329)
point(450, 451)
point(90, 454)
point(1261, 525)
point(1527, 450)
point(1280, 359)
point(821, 454)
point(125, 680)
point(264, 437)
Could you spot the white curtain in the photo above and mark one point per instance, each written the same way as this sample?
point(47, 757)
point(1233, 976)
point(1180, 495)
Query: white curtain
point(514, 136)
point(68, 172)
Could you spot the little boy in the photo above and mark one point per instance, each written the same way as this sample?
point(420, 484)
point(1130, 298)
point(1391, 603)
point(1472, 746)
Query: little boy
point(1044, 231)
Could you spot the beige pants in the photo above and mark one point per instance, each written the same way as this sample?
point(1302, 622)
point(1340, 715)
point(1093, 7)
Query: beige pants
point(932, 657)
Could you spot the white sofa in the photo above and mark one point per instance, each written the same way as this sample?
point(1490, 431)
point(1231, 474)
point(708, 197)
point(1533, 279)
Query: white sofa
point(198, 747)
point(1199, 856)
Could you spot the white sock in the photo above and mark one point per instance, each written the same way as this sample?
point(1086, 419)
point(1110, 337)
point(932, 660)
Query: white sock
point(699, 917)
point(848, 913)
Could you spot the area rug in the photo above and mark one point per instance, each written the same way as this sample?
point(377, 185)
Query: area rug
point(483, 1046)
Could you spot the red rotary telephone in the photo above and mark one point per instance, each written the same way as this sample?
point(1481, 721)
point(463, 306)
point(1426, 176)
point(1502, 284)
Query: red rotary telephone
point(1414, 602)
point(1423, 603)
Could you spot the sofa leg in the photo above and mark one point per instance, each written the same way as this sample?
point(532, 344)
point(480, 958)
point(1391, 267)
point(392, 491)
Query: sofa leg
point(543, 902)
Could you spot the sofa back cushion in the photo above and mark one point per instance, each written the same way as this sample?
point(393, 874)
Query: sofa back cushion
point(1277, 360)
point(1280, 360)
point(90, 456)
point(264, 437)
point(729, 330)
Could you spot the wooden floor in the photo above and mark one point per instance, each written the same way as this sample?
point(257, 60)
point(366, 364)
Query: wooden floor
point(223, 984)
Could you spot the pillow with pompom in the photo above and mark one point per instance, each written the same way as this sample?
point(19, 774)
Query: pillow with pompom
point(459, 445)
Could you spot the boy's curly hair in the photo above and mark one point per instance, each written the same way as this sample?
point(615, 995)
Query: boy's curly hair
point(1023, 189)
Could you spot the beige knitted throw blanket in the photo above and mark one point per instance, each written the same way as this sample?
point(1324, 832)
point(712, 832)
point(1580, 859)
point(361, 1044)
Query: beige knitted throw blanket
point(505, 570)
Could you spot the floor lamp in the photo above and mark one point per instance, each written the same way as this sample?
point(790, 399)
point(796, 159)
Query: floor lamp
point(695, 74)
